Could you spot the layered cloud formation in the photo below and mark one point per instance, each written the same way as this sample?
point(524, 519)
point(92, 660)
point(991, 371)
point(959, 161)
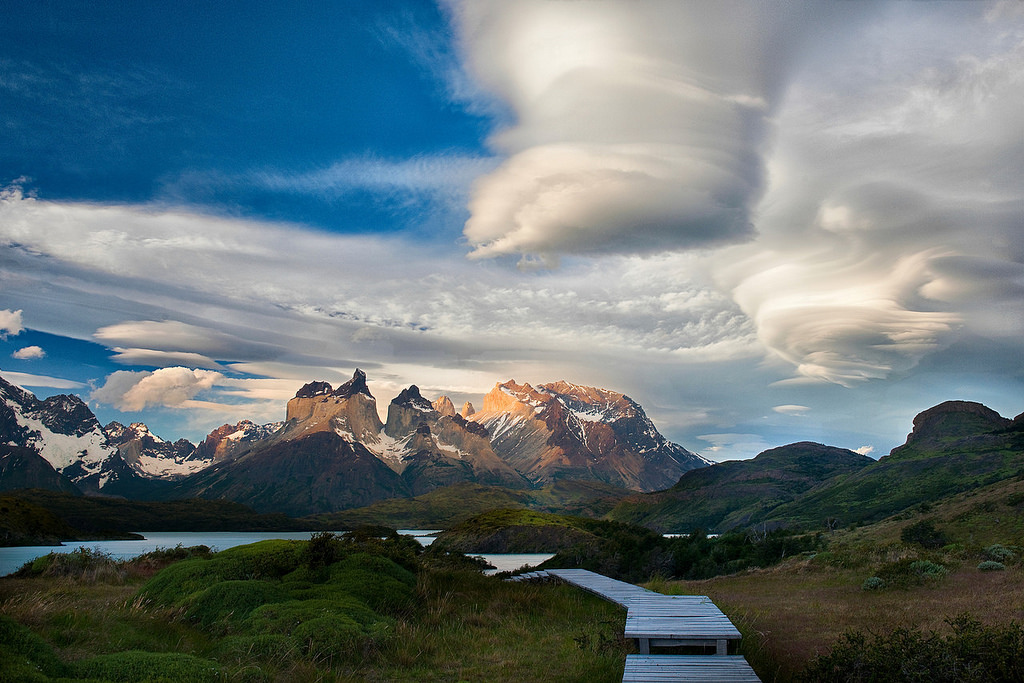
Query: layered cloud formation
point(639, 127)
point(755, 218)
point(867, 157)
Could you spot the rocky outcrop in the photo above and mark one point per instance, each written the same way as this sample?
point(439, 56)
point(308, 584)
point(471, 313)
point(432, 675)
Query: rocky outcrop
point(350, 411)
point(64, 432)
point(318, 472)
point(965, 422)
point(150, 456)
point(565, 431)
point(228, 441)
point(24, 468)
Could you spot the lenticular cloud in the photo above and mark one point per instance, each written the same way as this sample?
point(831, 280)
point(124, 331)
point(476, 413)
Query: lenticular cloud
point(639, 126)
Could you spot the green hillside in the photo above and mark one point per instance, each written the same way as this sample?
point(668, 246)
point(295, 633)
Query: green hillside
point(91, 517)
point(738, 493)
point(447, 506)
point(956, 447)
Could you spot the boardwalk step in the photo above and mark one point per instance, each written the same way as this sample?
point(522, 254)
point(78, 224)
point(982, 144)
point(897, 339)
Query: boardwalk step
point(655, 668)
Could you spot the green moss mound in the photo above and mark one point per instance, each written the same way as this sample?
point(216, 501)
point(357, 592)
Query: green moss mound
point(136, 666)
point(233, 600)
point(24, 656)
point(178, 583)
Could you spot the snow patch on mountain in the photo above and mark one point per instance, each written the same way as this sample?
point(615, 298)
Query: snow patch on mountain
point(63, 450)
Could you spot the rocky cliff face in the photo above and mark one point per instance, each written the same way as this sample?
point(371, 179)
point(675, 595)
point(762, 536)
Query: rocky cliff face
point(936, 426)
point(566, 431)
point(150, 456)
point(350, 410)
point(64, 432)
point(523, 436)
point(227, 441)
point(431, 445)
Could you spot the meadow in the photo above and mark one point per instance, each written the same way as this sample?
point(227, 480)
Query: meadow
point(935, 593)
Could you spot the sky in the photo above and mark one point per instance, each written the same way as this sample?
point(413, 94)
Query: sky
point(764, 221)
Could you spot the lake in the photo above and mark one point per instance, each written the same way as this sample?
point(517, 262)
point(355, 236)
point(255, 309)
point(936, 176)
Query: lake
point(11, 559)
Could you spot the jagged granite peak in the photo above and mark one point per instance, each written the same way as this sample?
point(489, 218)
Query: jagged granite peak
point(356, 385)
point(412, 397)
point(467, 409)
point(229, 440)
point(118, 434)
point(64, 432)
point(314, 389)
point(406, 411)
point(152, 457)
point(563, 430)
point(350, 411)
point(444, 406)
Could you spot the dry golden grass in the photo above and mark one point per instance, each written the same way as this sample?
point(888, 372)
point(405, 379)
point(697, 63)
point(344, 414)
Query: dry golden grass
point(790, 613)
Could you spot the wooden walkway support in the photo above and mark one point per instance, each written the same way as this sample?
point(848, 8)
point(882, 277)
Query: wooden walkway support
point(658, 668)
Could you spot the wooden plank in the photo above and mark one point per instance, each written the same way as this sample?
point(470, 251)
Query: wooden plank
point(655, 668)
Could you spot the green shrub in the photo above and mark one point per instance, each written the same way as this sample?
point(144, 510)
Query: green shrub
point(374, 580)
point(924, 533)
point(872, 583)
point(135, 666)
point(285, 617)
point(176, 584)
point(322, 549)
point(243, 648)
point(991, 566)
point(82, 563)
point(232, 600)
point(998, 553)
point(24, 656)
point(908, 572)
point(971, 652)
point(329, 637)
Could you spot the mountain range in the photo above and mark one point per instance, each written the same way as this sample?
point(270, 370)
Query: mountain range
point(333, 452)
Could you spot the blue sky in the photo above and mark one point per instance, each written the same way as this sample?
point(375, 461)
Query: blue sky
point(764, 222)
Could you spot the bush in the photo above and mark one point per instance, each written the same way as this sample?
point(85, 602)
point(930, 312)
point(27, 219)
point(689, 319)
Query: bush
point(998, 553)
point(972, 652)
point(991, 566)
point(872, 583)
point(24, 656)
point(136, 666)
point(908, 572)
point(322, 550)
point(88, 564)
point(924, 533)
point(269, 646)
point(326, 638)
point(176, 584)
point(285, 617)
point(232, 600)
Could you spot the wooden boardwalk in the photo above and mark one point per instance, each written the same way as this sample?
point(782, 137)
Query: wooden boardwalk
point(654, 668)
point(664, 621)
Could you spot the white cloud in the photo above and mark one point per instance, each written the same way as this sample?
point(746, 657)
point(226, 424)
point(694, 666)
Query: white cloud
point(728, 446)
point(10, 321)
point(163, 359)
point(792, 409)
point(887, 231)
point(26, 380)
point(639, 126)
point(29, 353)
point(168, 387)
point(864, 450)
point(447, 177)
